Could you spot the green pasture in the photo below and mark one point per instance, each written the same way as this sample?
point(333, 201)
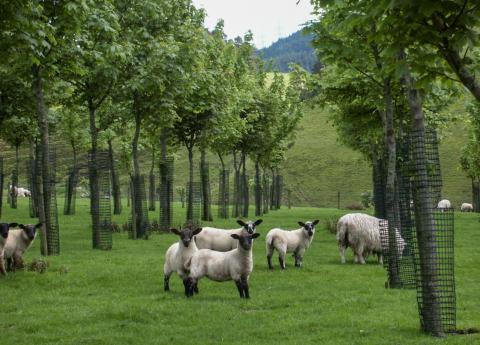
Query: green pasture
point(116, 297)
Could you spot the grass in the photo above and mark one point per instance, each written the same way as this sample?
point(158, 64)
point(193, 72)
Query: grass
point(116, 297)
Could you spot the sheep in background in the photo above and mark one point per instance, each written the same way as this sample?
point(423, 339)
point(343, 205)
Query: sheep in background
point(444, 204)
point(178, 254)
point(361, 232)
point(18, 241)
point(236, 265)
point(296, 241)
point(4, 229)
point(466, 207)
point(220, 239)
point(23, 192)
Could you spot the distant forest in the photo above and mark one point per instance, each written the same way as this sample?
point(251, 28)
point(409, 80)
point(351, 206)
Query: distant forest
point(295, 48)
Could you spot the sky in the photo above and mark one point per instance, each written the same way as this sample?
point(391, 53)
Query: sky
point(269, 20)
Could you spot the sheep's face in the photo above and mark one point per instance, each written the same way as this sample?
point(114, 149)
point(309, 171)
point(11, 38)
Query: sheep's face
point(186, 236)
point(309, 227)
point(245, 241)
point(4, 227)
point(30, 230)
point(250, 227)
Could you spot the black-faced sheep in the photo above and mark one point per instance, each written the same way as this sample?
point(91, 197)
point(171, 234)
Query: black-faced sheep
point(236, 265)
point(466, 207)
point(296, 241)
point(19, 240)
point(220, 239)
point(4, 230)
point(178, 254)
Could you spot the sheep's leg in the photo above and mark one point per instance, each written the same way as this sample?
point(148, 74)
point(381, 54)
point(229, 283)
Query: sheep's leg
point(269, 261)
point(245, 288)
point(17, 262)
point(166, 281)
point(299, 257)
point(380, 258)
point(10, 265)
point(341, 249)
point(186, 286)
point(239, 287)
point(191, 282)
point(3, 271)
point(281, 259)
point(360, 258)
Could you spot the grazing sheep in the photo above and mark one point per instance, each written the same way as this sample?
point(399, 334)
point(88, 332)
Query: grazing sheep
point(19, 191)
point(4, 228)
point(296, 241)
point(466, 207)
point(19, 240)
point(220, 239)
point(361, 232)
point(178, 254)
point(236, 265)
point(444, 204)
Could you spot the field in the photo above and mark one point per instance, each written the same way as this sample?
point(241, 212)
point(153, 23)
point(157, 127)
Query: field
point(116, 297)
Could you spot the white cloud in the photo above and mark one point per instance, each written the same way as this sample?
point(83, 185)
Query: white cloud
point(269, 20)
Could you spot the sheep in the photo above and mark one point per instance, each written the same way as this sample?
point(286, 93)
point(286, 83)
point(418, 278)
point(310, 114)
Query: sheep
point(19, 240)
point(4, 229)
point(362, 233)
point(236, 265)
point(220, 240)
point(19, 191)
point(296, 241)
point(466, 207)
point(444, 204)
point(178, 254)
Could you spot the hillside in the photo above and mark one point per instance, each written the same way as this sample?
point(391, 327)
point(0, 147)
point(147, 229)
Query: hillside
point(295, 48)
point(316, 169)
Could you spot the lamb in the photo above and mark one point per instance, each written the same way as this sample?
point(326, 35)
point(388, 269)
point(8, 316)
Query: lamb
point(4, 229)
point(444, 204)
point(19, 240)
point(362, 233)
point(466, 207)
point(296, 241)
point(236, 265)
point(178, 254)
point(220, 240)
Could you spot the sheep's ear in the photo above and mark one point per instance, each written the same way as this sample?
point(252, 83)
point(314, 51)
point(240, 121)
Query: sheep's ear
point(255, 235)
point(197, 231)
point(258, 222)
point(241, 222)
point(175, 231)
point(301, 224)
point(235, 236)
point(39, 225)
point(12, 225)
point(315, 222)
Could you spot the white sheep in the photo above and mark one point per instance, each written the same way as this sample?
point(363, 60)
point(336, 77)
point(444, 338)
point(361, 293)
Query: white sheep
point(296, 241)
point(444, 204)
point(466, 207)
point(236, 265)
point(178, 254)
point(23, 192)
point(220, 239)
point(4, 229)
point(361, 232)
point(18, 241)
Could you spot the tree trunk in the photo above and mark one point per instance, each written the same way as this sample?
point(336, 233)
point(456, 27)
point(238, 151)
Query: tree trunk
point(151, 190)
point(392, 209)
point(237, 195)
point(246, 196)
point(14, 188)
point(476, 195)
point(71, 183)
point(266, 195)
point(190, 185)
point(93, 175)
point(117, 196)
point(136, 136)
point(166, 188)
point(138, 197)
point(258, 190)
point(273, 190)
point(45, 192)
point(424, 220)
point(378, 172)
point(205, 178)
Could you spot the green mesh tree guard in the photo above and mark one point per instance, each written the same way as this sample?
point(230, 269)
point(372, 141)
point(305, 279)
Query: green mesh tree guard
point(223, 193)
point(70, 192)
point(278, 192)
point(139, 225)
point(152, 193)
point(1, 185)
point(32, 170)
point(52, 227)
point(379, 188)
point(237, 194)
point(12, 189)
point(206, 191)
point(245, 189)
point(103, 235)
point(476, 195)
point(166, 194)
point(258, 191)
point(193, 213)
point(433, 238)
point(266, 192)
